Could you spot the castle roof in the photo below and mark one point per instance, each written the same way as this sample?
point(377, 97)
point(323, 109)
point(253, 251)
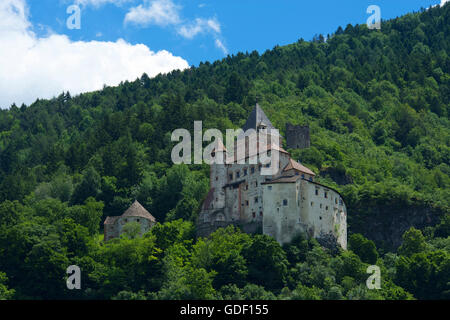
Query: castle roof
point(294, 165)
point(257, 117)
point(111, 220)
point(137, 210)
point(219, 146)
point(283, 179)
point(253, 153)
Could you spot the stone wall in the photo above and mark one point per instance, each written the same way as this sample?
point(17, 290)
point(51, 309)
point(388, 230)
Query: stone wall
point(297, 137)
point(303, 207)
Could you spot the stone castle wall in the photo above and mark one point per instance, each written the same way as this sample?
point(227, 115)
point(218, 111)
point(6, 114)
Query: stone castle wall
point(297, 137)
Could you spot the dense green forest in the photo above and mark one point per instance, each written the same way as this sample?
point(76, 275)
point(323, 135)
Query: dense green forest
point(377, 103)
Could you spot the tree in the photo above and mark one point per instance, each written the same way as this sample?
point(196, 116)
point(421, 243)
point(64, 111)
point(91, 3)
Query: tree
point(222, 253)
point(5, 293)
point(132, 229)
point(413, 242)
point(364, 248)
point(88, 215)
point(266, 261)
point(88, 187)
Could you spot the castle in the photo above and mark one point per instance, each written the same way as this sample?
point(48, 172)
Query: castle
point(282, 205)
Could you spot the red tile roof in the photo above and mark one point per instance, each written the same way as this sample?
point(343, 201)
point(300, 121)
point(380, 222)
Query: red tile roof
point(297, 166)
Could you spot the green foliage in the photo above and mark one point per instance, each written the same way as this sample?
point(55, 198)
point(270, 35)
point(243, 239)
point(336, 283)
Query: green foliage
point(5, 293)
point(222, 252)
point(413, 242)
point(364, 248)
point(266, 261)
point(132, 229)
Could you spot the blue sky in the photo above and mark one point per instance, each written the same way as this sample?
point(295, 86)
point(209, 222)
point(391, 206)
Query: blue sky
point(246, 25)
point(120, 39)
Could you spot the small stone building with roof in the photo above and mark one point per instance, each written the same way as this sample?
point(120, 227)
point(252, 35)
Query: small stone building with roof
point(113, 225)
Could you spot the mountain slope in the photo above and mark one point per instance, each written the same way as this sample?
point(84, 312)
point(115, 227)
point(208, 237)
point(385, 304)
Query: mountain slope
point(377, 103)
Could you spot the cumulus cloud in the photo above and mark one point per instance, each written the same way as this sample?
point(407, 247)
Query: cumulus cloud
point(166, 13)
point(199, 26)
point(32, 67)
point(158, 12)
point(444, 2)
point(99, 3)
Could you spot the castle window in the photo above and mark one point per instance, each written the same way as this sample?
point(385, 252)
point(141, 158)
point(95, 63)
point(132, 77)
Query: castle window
point(137, 220)
point(285, 202)
point(320, 206)
point(217, 178)
point(310, 179)
point(296, 173)
point(260, 213)
point(326, 194)
point(254, 215)
point(340, 202)
point(312, 203)
point(217, 199)
point(320, 218)
point(303, 176)
point(245, 172)
point(270, 187)
point(259, 168)
point(256, 199)
point(317, 192)
point(246, 187)
point(326, 208)
point(252, 170)
point(246, 203)
point(268, 165)
point(231, 176)
point(238, 174)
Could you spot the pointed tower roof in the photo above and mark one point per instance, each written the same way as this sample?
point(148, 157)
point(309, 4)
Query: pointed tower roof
point(220, 146)
point(256, 118)
point(137, 210)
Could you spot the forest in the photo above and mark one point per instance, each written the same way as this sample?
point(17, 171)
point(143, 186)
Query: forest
point(377, 104)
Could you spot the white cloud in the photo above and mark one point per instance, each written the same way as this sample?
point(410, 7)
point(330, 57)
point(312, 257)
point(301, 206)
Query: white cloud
point(199, 26)
point(158, 12)
point(166, 13)
point(443, 2)
point(33, 67)
point(99, 3)
point(221, 46)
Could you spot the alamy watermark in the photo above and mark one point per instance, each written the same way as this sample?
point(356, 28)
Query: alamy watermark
point(374, 281)
point(374, 21)
point(74, 279)
point(74, 20)
point(249, 147)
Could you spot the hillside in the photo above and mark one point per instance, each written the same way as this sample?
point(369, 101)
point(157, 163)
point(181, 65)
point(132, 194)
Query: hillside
point(377, 103)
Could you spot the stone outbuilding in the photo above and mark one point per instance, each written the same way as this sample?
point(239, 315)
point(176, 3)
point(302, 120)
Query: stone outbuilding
point(113, 225)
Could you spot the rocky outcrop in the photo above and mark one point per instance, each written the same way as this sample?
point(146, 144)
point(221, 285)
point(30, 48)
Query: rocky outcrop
point(385, 223)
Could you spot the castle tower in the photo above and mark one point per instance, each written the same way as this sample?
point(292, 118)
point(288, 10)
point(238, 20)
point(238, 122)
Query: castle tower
point(258, 120)
point(218, 176)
